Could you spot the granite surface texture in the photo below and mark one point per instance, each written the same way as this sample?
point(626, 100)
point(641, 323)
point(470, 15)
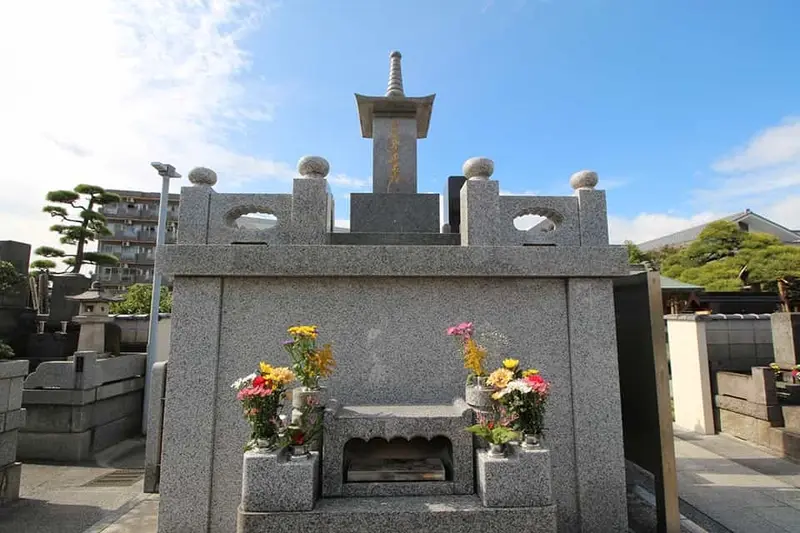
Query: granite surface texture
point(8, 447)
point(394, 156)
point(359, 317)
point(593, 217)
point(394, 213)
point(155, 426)
point(311, 211)
point(786, 338)
point(398, 488)
point(367, 422)
point(379, 239)
point(600, 462)
point(561, 210)
point(520, 479)
point(13, 369)
point(188, 441)
point(480, 213)
point(386, 261)
point(10, 480)
point(271, 482)
point(440, 514)
point(224, 209)
point(193, 217)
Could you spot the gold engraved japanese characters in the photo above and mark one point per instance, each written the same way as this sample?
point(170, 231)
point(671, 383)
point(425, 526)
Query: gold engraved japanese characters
point(394, 155)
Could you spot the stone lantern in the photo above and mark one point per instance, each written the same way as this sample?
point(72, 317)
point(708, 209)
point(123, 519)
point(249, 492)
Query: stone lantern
point(92, 316)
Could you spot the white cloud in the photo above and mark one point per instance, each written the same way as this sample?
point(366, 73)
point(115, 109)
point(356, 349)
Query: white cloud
point(344, 180)
point(102, 88)
point(763, 175)
point(773, 146)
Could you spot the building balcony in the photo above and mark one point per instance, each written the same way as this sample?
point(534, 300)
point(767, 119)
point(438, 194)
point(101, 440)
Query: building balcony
point(138, 236)
point(143, 258)
point(125, 279)
point(135, 213)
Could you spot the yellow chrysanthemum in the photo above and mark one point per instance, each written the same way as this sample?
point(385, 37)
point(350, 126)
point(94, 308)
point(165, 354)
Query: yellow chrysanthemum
point(303, 331)
point(473, 357)
point(530, 372)
point(497, 395)
point(264, 368)
point(281, 375)
point(500, 378)
point(322, 361)
point(511, 364)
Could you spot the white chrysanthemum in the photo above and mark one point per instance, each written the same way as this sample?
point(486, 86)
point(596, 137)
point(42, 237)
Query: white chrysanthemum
point(241, 382)
point(516, 385)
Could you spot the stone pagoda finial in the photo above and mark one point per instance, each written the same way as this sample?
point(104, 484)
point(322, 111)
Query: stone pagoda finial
point(395, 88)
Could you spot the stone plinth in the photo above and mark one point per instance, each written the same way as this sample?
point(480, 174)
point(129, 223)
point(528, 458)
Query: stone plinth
point(394, 213)
point(520, 479)
point(274, 482)
point(12, 419)
point(440, 514)
point(786, 338)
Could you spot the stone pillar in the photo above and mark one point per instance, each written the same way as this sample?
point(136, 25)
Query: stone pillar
point(599, 456)
point(480, 204)
point(312, 202)
point(592, 209)
point(195, 207)
point(188, 438)
point(691, 376)
point(786, 338)
point(394, 148)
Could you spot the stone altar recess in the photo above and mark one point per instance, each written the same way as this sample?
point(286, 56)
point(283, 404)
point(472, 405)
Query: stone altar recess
point(385, 307)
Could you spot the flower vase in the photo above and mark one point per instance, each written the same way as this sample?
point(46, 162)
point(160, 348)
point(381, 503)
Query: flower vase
point(529, 441)
point(298, 452)
point(301, 397)
point(478, 395)
point(497, 450)
point(262, 445)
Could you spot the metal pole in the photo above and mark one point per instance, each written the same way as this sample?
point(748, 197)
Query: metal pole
point(166, 172)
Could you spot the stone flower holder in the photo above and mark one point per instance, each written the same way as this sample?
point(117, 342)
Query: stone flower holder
point(272, 481)
point(521, 478)
point(300, 398)
point(479, 395)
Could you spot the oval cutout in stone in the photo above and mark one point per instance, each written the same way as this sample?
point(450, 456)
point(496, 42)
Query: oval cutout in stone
point(256, 221)
point(534, 223)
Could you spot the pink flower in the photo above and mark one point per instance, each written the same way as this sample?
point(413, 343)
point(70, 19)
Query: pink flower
point(251, 392)
point(537, 383)
point(465, 329)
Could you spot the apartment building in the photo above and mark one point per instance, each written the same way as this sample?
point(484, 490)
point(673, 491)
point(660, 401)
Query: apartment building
point(133, 223)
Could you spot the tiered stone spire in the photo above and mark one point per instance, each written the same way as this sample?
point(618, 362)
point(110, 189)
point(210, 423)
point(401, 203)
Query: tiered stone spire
point(395, 87)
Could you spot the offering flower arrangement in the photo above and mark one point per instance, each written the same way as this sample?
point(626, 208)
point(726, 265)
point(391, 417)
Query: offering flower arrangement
point(524, 393)
point(309, 362)
point(474, 354)
point(495, 428)
point(262, 394)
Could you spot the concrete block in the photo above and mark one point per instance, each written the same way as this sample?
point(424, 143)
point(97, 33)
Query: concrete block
point(271, 482)
point(14, 394)
point(394, 261)
point(791, 417)
point(600, 462)
point(193, 215)
point(52, 374)
point(480, 213)
point(58, 397)
point(8, 447)
point(311, 206)
point(13, 369)
point(763, 386)
point(733, 384)
point(763, 335)
point(116, 431)
point(394, 213)
point(118, 368)
point(105, 411)
point(786, 442)
point(771, 413)
point(380, 239)
point(594, 220)
point(120, 388)
point(188, 442)
point(742, 336)
point(10, 479)
point(745, 427)
point(14, 420)
point(61, 447)
point(786, 338)
point(521, 479)
point(59, 418)
point(717, 336)
point(152, 459)
point(439, 514)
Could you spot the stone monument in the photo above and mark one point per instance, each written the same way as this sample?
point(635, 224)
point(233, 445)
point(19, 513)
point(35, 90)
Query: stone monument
point(384, 296)
point(93, 316)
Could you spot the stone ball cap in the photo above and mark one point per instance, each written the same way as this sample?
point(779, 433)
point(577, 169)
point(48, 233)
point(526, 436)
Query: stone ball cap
point(479, 168)
point(313, 166)
point(202, 176)
point(583, 179)
point(395, 53)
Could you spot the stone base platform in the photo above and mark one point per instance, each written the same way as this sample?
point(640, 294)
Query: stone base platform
point(396, 239)
point(442, 514)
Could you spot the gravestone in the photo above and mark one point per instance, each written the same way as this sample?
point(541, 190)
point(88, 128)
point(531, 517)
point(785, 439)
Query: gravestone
point(786, 338)
point(384, 299)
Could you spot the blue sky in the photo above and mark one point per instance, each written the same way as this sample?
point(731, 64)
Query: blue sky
point(687, 110)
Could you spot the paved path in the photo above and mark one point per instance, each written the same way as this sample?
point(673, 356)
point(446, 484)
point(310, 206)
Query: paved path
point(740, 486)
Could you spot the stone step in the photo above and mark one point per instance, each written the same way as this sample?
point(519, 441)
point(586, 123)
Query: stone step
point(786, 442)
point(462, 514)
point(419, 239)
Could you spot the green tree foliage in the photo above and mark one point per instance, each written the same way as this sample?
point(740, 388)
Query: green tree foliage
point(78, 224)
point(9, 281)
point(716, 258)
point(635, 254)
point(137, 301)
